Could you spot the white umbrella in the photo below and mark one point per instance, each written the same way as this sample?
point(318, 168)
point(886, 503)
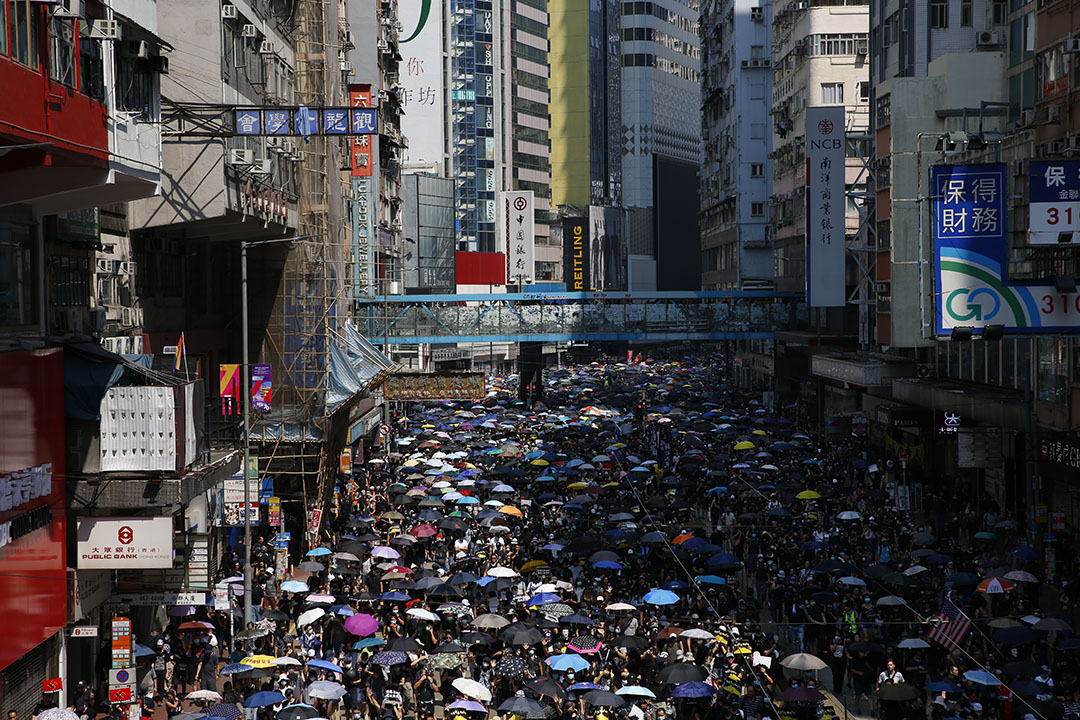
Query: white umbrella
point(309, 617)
point(501, 572)
point(913, 644)
point(422, 614)
point(620, 606)
point(286, 661)
point(804, 661)
point(852, 580)
point(473, 689)
point(696, 634)
point(203, 695)
point(348, 557)
point(915, 570)
point(891, 600)
point(849, 515)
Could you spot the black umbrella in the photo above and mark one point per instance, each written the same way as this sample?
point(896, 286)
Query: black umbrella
point(274, 614)
point(630, 642)
point(511, 666)
point(452, 647)
point(866, 647)
point(477, 638)
point(520, 635)
point(297, 712)
point(546, 686)
point(1016, 635)
point(526, 707)
point(898, 692)
point(404, 644)
point(1022, 667)
point(682, 672)
point(603, 698)
point(444, 590)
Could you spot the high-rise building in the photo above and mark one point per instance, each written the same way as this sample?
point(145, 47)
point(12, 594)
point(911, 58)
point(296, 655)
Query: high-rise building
point(525, 75)
point(586, 99)
point(736, 175)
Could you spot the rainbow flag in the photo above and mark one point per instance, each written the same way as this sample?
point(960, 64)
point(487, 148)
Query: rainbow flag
point(179, 354)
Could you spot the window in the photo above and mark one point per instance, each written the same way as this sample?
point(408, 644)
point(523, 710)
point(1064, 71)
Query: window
point(757, 209)
point(757, 170)
point(757, 51)
point(1053, 371)
point(864, 91)
point(62, 51)
point(883, 111)
point(832, 93)
point(939, 13)
point(836, 43)
point(965, 13)
point(134, 86)
point(3, 28)
point(23, 25)
point(91, 65)
point(18, 299)
point(1001, 12)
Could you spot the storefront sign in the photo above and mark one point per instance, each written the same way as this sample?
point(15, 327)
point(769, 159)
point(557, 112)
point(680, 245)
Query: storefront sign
point(121, 642)
point(434, 386)
point(316, 520)
point(169, 598)
point(234, 514)
point(125, 542)
point(518, 233)
point(448, 354)
point(1061, 452)
point(897, 416)
point(947, 422)
point(345, 462)
point(89, 589)
point(273, 511)
point(84, 631)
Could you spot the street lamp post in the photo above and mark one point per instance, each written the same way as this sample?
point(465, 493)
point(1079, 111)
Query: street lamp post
point(246, 376)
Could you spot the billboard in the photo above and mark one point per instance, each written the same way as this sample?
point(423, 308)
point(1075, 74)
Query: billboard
point(608, 251)
point(576, 254)
point(33, 558)
point(125, 543)
point(517, 234)
point(261, 387)
point(434, 386)
point(826, 207)
point(362, 160)
point(1054, 209)
point(422, 80)
point(971, 259)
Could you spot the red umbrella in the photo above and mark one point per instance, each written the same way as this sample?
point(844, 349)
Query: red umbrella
point(422, 531)
point(400, 569)
point(995, 586)
point(196, 625)
point(361, 624)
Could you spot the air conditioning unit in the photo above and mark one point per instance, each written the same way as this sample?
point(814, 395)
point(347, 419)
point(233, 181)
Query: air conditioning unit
point(346, 67)
point(249, 31)
point(274, 143)
point(105, 29)
point(802, 5)
point(68, 9)
point(137, 48)
point(862, 47)
point(382, 45)
point(97, 320)
point(125, 317)
point(1053, 114)
point(1072, 45)
point(1027, 118)
point(746, 63)
point(241, 157)
point(103, 266)
point(350, 40)
point(925, 371)
point(228, 12)
point(990, 39)
point(266, 48)
point(124, 268)
point(261, 167)
point(1054, 147)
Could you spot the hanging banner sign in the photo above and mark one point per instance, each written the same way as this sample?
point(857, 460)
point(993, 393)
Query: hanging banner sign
point(826, 207)
point(305, 121)
point(261, 388)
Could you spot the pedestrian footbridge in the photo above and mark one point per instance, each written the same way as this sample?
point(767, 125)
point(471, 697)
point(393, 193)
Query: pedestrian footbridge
point(588, 316)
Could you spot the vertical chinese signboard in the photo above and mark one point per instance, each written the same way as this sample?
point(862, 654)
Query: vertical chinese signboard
point(826, 207)
point(422, 78)
point(1054, 209)
point(517, 233)
point(361, 157)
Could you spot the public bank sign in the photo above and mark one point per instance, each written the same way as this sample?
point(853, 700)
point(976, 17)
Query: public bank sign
point(123, 543)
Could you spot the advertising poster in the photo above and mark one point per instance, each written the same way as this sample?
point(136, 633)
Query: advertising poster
point(261, 388)
point(422, 79)
point(576, 254)
point(229, 389)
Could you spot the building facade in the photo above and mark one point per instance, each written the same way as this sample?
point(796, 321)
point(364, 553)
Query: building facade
point(736, 175)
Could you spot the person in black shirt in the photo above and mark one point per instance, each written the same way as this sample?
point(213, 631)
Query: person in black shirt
point(424, 689)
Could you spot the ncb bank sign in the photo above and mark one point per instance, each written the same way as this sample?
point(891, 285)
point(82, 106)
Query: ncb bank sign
point(971, 259)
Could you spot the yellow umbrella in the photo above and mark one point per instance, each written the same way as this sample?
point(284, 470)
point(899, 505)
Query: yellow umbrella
point(540, 462)
point(759, 432)
point(532, 565)
point(428, 427)
point(576, 486)
point(259, 661)
point(744, 445)
point(808, 495)
point(510, 510)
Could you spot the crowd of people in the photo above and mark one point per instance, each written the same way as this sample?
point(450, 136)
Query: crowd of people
point(647, 542)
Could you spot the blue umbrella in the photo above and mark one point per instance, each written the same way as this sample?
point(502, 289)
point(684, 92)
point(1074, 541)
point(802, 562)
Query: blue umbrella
point(543, 599)
point(394, 596)
point(661, 597)
point(324, 665)
point(582, 686)
point(142, 651)
point(711, 580)
point(674, 585)
point(343, 610)
point(981, 677)
point(264, 698)
point(368, 642)
point(941, 686)
point(567, 661)
point(1026, 553)
point(389, 658)
point(319, 551)
point(607, 565)
point(813, 545)
point(294, 586)
point(693, 690)
point(234, 668)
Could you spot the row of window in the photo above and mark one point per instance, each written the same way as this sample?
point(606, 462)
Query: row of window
point(661, 63)
point(656, 10)
point(661, 38)
point(939, 13)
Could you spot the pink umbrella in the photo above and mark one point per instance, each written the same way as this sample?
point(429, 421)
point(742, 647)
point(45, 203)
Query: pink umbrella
point(317, 598)
point(422, 531)
point(361, 624)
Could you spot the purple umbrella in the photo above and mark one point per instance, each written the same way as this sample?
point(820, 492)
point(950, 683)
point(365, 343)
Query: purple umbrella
point(800, 694)
point(361, 624)
point(385, 552)
point(467, 705)
point(181, 611)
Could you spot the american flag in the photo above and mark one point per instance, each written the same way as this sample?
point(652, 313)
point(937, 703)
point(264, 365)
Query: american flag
point(953, 628)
